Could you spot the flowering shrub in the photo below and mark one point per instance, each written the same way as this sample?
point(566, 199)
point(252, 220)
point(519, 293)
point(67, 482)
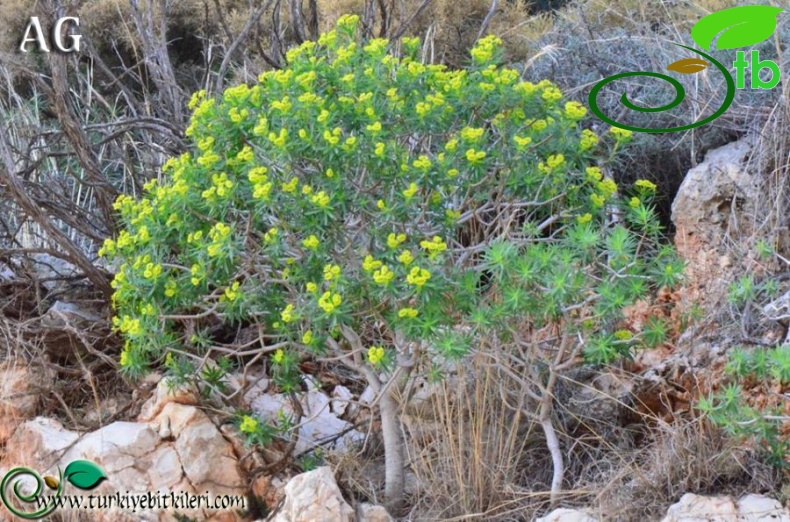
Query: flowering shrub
point(342, 207)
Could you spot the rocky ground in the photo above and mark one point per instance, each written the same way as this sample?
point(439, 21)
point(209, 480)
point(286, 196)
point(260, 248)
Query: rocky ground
point(161, 439)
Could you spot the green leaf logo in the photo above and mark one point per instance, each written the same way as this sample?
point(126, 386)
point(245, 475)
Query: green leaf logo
point(84, 474)
point(738, 26)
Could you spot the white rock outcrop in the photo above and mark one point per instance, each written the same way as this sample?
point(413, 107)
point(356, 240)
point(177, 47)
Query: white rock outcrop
point(319, 422)
point(751, 508)
point(314, 496)
point(567, 515)
point(17, 398)
point(718, 197)
point(177, 448)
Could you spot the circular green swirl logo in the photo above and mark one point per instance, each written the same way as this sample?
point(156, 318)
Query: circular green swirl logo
point(30, 498)
point(82, 474)
point(680, 94)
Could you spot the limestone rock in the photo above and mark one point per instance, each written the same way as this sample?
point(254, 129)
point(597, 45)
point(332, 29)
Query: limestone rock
point(163, 396)
point(314, 496)
point(372, 513)
point(757, 508)
point(269, 489)
point(567, 515)
point(318, 422)
point(61, 314)
point(696, 508)
point(751, 508)
point(193, 458)
point(17, 400)
point(708, 189)
point(340, 397)
point(779, 310)
point(721, 192)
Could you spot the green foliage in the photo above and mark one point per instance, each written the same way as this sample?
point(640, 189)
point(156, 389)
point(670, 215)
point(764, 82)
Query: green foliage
point(732, 410)
point(742, 291)
point(746, 290)
point(312, 460)
point(256, 431)
point(655, 332)
point(764, 249)
point(580, 280)
point(343, 192)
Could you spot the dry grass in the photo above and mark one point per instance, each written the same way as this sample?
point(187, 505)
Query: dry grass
point(476, 457)
point(688, 456)
point(478, 460)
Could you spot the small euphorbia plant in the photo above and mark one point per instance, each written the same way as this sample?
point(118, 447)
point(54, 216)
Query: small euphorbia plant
point(342, 206)
point(758, 418)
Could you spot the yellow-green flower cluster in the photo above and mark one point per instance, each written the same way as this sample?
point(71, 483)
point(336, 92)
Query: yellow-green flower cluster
point(311, 242)
point(607, 187)
point(475, 156)
point(588, 140)
point(410, 191)
point(522, 141)
point(232, 292)
point(220, 188)
point(394, 240)
point(551, 93)
point(248, 425)
point(152, 271)
point(198, 274)
point(407, 313)
point(329, 302)
point(552, 162)
point(472, 134)
point(575, 110)
point(321, 199)
point(171, 288)
point(331, 272)
point(422, 163)
point(203, 109)
point(270, 236)
point(375, 355)
point(383, 276)
point(128, 325)
point(369, 264)
point(287, 315)
point(220, 236)
point(406, 257)
point(594, 174)
point(434, 246)
point(621, 135)
point(484, 51)
point(646, 185)
point(418, 276)
point(196, 99)
point(623, 335)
